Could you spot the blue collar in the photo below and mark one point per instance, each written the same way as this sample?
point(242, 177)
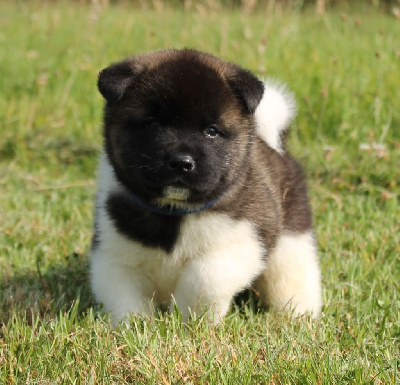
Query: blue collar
point(171, 211)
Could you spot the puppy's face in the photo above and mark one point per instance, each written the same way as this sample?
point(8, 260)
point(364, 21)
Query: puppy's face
point(178, 124)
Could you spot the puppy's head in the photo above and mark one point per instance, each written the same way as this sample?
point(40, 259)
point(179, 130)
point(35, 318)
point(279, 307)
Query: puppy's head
point(178, 124)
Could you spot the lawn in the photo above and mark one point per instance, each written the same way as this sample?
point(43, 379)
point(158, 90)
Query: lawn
point(344, 69)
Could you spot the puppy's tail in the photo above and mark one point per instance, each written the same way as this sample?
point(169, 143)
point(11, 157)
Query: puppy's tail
point(274, 113)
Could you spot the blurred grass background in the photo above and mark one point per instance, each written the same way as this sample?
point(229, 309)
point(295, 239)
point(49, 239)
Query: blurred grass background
point(342, 61)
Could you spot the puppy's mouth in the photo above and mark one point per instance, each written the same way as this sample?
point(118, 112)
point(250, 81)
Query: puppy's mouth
point(174, 196)
point(179, 193)
point(176, 193)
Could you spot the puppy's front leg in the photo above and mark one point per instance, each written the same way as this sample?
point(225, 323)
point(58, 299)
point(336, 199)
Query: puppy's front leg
point(209, 282)
point(122, 290)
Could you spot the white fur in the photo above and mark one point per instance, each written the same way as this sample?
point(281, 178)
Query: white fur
point(215, 257)
point(274, 113)
point(292, 277)
point(228, 258)
point(178, 193)
point(175, 197)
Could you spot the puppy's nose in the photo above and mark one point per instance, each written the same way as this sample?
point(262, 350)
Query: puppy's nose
point(181, 162)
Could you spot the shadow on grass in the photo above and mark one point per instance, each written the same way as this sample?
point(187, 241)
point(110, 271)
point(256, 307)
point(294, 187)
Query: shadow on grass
point(45, 294)
point(247, 302)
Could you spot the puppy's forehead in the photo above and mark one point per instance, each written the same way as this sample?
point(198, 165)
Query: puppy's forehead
point(191, 70)
point(185, 84)
point(181, 61)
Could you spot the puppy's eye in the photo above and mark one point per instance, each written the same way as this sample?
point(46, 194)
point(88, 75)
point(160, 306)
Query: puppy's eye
point(211, 131)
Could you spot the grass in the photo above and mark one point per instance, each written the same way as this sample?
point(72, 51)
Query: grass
point(344, 70)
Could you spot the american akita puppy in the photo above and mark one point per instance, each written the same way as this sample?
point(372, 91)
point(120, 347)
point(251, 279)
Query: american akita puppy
point(197, 197)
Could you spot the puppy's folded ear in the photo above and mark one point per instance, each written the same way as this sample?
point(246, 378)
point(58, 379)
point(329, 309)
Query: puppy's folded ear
point(114, 80)
point(247, 88)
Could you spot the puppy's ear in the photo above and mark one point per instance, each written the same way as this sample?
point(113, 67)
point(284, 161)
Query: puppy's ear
point(247, 87)
point(114, 80)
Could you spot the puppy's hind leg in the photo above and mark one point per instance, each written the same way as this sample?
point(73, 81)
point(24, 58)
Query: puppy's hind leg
point(291, 279)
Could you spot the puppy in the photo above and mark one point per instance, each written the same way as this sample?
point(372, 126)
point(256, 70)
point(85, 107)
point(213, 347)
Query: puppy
point(197, 197)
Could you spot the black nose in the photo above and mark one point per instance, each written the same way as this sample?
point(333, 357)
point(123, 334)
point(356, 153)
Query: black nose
point(181, 162)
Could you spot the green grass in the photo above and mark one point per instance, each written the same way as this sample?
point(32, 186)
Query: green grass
point(345, 73)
